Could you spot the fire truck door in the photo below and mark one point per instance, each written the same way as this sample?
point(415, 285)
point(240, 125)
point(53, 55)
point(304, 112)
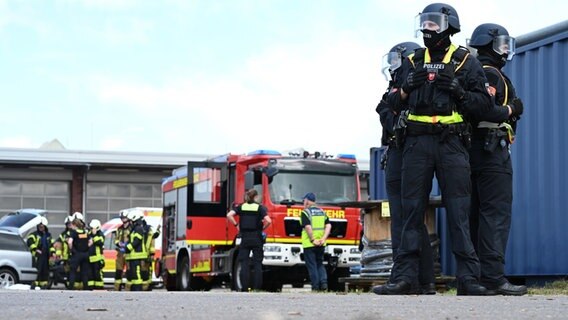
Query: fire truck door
point(207, 189)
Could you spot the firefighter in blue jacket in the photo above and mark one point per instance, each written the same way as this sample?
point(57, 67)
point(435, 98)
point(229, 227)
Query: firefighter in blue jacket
point(42, 249)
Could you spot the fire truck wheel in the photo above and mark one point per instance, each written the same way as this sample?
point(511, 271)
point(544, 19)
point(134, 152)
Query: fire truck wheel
point(184, 276)
point(235, 278)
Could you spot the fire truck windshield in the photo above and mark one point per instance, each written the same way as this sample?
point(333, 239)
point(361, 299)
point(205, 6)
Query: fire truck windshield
point(288, 187)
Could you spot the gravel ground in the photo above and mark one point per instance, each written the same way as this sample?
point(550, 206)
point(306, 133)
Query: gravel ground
point(290, 304)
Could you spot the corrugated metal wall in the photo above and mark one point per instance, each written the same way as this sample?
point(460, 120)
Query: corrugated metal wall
point(538, 243)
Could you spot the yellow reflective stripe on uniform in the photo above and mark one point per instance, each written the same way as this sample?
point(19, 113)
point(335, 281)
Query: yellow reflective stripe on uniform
point(454, 118)
point(506, 98)
point(250, 206)
point(447, 57)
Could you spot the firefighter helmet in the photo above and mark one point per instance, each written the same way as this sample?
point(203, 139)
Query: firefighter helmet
point(78, 216)
point(123, 214)
point(135, 215)
point(95, 224)
point(43, 221)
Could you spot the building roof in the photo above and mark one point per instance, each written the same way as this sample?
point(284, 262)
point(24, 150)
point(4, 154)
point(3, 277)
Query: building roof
point(107, 158)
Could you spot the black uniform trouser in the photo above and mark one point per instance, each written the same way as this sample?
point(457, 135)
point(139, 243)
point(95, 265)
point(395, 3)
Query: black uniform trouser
point(251, 241)
point(79, 260)
point(393, 177)
point(491, 202)
point(42, 266)
point(446, 156)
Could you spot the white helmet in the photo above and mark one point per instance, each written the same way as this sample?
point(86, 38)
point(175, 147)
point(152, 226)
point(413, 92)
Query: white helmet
point(95, 224)
point(43, 220)
point(135, 215)
point(68, 219)
point(123, 214)
point(78, 216)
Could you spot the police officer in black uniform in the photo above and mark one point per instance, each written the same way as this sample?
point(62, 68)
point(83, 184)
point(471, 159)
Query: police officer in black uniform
point(391, 119)
point(253, 219)
point(444, 85)
point(491, 169)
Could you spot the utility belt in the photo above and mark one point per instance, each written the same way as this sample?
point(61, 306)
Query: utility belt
point(421, 128)
point(461, 129)
point(498, 130)
point(492, 137)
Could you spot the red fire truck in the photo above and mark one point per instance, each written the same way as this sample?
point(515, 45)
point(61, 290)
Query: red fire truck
point(199, 247)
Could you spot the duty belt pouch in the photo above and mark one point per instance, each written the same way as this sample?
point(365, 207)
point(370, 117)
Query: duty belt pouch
point(491, 140)
point(384, 158)
point(400, 130)
point(421, 99)
point(430, 100)
point(441, 102)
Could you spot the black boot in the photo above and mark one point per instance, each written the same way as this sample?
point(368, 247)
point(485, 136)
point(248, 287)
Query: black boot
point(396, 288)
point(472, 288)
point(508, 289)
point(428, 288)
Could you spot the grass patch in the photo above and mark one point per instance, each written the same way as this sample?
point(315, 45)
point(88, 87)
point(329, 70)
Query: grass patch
point(559, 287)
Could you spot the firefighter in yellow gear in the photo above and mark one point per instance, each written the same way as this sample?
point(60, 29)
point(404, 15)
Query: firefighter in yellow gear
point(147, 265)
point(96, 258)
point(122, 236)
point(62, 248)
point(136, 252)
point(41, 247)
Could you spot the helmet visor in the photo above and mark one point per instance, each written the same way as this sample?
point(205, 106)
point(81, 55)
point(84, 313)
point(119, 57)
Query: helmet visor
point(392, 60)
point(504, 45)
point(433, 21)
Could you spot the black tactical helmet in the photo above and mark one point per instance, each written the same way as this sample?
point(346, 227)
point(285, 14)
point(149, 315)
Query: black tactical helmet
point(405, 48)
point(491, 33)
point(393, 59)
point(452, 21)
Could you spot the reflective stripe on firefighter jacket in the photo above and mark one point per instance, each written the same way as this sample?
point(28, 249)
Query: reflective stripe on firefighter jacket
point(136, 248)
point(96, 250)
point(34, 243)
point(122, 235)
point(149, 243)
point(250, 217)
point(317, 219)
point(454, 117)
point(63, 251)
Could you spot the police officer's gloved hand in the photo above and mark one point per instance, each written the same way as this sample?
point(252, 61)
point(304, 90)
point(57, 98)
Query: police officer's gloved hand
point(448, 82)
point(415, 79)
point(517, 107)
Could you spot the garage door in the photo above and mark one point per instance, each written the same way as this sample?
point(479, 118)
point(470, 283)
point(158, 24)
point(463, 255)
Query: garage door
point(52, 196)
point(105, 200)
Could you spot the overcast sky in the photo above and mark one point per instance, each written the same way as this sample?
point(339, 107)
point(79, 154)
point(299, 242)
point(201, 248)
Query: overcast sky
point(212, 77)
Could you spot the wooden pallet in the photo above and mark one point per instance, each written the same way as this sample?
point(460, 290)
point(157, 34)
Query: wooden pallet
point(365, 283)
